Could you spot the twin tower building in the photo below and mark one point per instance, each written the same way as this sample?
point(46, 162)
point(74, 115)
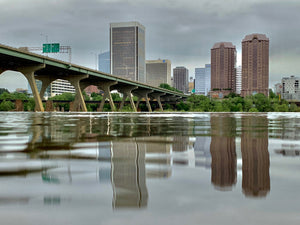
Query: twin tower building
point(255, 66)
point(127, 57)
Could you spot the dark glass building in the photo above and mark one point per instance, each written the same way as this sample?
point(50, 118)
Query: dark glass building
point(127, 50)
point(181, 79)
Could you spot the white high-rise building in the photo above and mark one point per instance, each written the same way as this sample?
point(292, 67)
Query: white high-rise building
point(238, 80)
point(202, 80)
point(291, 88)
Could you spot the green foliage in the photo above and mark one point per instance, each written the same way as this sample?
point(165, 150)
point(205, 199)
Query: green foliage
point(168, 87)
point(85, 96)
point(64, 97)
point(6, 106)
point(96, 97)
point(199, 103)
point(236, 103)
point(2, 90)
point(182, 106)
point(293, 108)
point(30, 105)
point(13, 96)
point(272, 94)
point(116, 97)
point(167, 106)
point(253, 110)
point(126, 108)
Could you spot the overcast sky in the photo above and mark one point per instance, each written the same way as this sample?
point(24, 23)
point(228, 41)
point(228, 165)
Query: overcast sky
point(182, 31)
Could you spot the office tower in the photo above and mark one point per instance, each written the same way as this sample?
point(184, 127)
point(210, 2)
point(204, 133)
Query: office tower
point(181, 79)
point(238, 80)
point(158, 72)
point(104, 62)
point(127, 50)
point(223, 60)
point(202, 80)
point(255, 64)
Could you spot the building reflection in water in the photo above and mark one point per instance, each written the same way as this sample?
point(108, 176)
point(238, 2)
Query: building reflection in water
point(128, 168)
point(202, 151)
point(138, 153)
point(223, 154)
point(255, 156)
point(128, 174)
point(290, 150)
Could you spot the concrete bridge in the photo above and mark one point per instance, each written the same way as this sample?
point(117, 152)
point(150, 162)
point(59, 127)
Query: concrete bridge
point(34, 66)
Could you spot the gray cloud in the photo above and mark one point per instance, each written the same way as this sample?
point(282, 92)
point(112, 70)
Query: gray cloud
point(182, 31)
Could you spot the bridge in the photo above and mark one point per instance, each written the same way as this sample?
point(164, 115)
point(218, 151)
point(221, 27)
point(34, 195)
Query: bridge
point(37, 67)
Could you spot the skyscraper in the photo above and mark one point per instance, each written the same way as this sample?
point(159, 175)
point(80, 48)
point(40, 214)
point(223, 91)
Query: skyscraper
point(181, 79)
point(127, 50)
point(223, 60)
point(104, 62)
point(202, 80)
point(158, 72)
point(255, 64)
point(238, 80)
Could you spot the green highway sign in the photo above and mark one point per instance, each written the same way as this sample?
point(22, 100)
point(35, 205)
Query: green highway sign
point(51, 48)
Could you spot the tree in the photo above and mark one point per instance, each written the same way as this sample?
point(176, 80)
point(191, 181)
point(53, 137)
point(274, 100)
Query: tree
point(262, 103)
point(168, 87)
point(2, 90)
point(6, 106)
point(253, 110)
point(272, 94)
point(293, 107)
point(64, 97)
point(182, 106)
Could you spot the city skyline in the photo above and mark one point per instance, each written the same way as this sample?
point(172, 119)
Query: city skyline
point(180, 32)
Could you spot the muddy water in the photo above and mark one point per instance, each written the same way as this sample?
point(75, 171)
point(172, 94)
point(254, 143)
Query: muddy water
point(140, 168)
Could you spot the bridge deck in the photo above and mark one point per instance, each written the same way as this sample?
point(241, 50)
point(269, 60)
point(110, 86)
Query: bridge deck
point(13, 58)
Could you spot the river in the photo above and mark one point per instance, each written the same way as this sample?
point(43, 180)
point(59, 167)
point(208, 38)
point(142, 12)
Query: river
point(149, 168)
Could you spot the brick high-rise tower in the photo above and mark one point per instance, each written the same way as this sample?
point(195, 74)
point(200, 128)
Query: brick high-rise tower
point(223, 60)
point(255, 64)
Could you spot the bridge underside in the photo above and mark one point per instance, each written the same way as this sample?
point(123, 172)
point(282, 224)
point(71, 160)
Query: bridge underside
point(36, 67)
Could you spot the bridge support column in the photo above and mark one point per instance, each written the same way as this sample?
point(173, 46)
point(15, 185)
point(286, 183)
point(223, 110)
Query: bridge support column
point(105, 86)
point(28, 72)
point(157, 97)
point(46, 81)
point(143, 94)
point(126, 91)
point(79, 103)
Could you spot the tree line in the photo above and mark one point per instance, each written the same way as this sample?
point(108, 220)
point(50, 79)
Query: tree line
point(194, 103)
